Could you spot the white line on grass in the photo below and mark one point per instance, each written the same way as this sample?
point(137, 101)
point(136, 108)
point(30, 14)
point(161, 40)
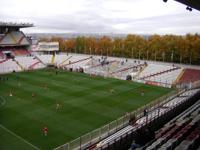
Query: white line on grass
point(25, 141)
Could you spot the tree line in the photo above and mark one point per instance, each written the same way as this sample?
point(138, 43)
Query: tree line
point(167, 48)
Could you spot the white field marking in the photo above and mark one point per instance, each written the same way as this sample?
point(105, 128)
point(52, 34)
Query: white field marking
point(25, 141)
point(3, 101)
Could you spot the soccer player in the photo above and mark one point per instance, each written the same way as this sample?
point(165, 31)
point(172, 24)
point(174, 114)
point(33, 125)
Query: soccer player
point(134, 146)
point(145, 112)
point(33, 94)
point(112, 90)
point(142, 92)
point(132, 120)
point(10, 94)
point(45, 130)
point(57, 106)
point(126, 114)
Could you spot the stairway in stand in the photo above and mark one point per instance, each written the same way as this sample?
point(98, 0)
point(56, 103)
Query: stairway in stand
point(22, 68)
point(53, 59)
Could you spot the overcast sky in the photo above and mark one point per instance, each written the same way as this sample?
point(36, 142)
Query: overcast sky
point(102, 16)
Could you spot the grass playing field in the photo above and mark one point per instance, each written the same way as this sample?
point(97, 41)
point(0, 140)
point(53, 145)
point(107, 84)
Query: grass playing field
point(28, 102)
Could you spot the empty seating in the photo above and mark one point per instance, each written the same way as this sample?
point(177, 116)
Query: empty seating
point(46, 58)
point(181, 133)
point(1, 55)
point(165, 75)
point(153, 69)
point(17, 35)
point(168, 77)
point(29, 62)
point(14, 38)
point(60, 59)
point(19, 52)
point(190, 75)
point(77, 61)
point(23, 41)
point(9, 65)
point(191, 140)
point(7, 40)
point(101, 66)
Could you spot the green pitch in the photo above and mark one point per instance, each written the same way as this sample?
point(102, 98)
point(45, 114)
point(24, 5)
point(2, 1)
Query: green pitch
point(28, 102)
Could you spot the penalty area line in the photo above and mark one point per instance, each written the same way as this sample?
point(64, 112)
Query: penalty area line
point(19, 137)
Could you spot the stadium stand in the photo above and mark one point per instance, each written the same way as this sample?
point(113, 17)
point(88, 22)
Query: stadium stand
point(162, 74)
point(1, 55)
point(14, 38)
point(14, 49)
point(23, 41)
point(7, 40)
point(20, 52)
point(141, 71)
point(133, 69)
point(190, 75)
point(77, 61)
point(2, 61)
point(101, 66)
point(153, 69)
point(61, 59)
point(17, 35)
point(9, 65)
point(29, 62)
point(181, 133)
point(33, 66)
point(45, 58)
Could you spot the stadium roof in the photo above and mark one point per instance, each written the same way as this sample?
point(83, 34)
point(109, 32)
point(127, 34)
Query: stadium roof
point(192, 3)
point(17, 25)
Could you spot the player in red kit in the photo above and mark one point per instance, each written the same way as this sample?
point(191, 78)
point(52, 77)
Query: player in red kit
point(45, 130)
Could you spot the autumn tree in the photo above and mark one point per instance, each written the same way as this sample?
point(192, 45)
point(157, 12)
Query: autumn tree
point(169, 48)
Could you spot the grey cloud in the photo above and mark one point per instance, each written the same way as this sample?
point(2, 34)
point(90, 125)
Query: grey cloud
point(93, 17)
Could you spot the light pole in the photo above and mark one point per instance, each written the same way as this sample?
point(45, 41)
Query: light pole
point(113, 50)
point(147, 55)
point(132, 52)
point(139, 54)
point(172, 56)
point(163, 55)
point(122, 49)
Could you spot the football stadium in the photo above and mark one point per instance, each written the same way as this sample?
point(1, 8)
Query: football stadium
point(95, 98)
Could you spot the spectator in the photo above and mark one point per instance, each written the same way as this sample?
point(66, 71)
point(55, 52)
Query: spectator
point(145, 112)
point(134, 146)
point(45, 130)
